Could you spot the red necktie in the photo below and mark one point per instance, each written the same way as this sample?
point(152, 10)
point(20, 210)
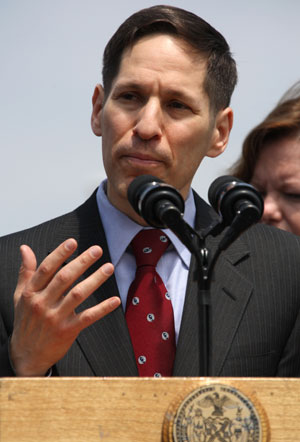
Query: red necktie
point(149, 312)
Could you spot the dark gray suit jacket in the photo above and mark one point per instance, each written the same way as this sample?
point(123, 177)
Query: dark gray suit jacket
point(255, 303)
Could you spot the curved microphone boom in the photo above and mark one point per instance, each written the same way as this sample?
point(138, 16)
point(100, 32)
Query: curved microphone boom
point(159, 203)
point(238, 203)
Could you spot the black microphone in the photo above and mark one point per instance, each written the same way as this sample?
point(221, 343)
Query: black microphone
point(160, 204)
point(238, 203)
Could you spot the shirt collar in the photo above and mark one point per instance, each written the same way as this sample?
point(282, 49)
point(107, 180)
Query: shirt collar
point(120, 229)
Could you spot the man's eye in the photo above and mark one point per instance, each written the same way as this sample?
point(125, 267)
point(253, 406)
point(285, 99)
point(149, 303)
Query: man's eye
point(178, 105)
point(128, 96)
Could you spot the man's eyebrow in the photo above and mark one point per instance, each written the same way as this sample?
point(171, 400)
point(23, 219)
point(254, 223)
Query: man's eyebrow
point(131, 85)
point(179, 94)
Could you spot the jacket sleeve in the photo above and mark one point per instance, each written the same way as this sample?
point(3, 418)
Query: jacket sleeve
point(6, 369)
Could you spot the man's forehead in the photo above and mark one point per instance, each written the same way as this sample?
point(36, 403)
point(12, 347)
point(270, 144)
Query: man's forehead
point(194, 53)
point(162, 52)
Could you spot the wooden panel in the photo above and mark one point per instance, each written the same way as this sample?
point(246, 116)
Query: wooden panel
point(125, 409)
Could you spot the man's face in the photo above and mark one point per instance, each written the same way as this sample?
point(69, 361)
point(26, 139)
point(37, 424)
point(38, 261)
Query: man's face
point(277, 177)
point(156, 119)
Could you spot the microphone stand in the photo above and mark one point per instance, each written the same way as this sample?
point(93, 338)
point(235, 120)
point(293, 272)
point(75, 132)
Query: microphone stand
point(196, 245)
point(203, 308)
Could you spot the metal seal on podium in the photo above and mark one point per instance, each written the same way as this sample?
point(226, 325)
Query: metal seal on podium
point(216, 412)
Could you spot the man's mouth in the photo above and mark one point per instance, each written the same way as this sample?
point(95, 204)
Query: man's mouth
point(141, 159)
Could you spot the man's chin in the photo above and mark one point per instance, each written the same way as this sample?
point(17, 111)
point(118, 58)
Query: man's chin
point(117, 194)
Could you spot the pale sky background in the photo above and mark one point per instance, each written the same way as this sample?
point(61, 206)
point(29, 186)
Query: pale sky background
point(50, 60)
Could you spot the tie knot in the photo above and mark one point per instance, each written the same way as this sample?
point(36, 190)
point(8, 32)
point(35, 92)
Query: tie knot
point(148, 246)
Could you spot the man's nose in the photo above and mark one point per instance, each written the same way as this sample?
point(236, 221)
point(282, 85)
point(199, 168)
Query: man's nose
point(272, 210)
point(149, 121)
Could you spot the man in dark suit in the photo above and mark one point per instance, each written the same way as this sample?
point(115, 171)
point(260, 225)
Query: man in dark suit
point(167, 81)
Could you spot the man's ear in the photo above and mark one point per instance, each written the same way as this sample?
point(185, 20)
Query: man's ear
point(98, 99)
point(221, 131)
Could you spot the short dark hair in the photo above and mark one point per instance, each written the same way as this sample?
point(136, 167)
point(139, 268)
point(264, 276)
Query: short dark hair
point(221, 75)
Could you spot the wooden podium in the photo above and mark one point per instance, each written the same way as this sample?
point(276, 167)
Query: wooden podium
point(127, 409)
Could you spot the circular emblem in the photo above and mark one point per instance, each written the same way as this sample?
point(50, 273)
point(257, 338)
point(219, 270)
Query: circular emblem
point(163, 238)
point(216, 412)
point(147, 250)
point(168, 297)
point(135, 300)
point(150, 317)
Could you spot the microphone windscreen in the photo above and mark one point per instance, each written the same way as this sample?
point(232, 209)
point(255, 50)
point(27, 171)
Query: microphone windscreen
point(136, 187)
point(228, 195)
point(217, 187)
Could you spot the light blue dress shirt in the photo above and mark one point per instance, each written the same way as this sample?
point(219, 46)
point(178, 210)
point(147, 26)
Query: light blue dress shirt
point(173, 266)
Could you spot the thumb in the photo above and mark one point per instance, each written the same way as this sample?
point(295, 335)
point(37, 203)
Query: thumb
point(27, 269)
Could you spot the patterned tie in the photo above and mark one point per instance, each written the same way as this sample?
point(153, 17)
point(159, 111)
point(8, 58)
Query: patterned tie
point(149, 312)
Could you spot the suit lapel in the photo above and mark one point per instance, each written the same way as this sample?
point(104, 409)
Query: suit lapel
point(106, 344)
point(229, 295)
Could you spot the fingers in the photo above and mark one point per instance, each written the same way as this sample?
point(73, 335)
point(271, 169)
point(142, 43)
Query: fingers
point(51, 265)
point(63, 280)
point(27, 269)
point(85, 288)
point(93, 314)
point(28, 258)
point(28, 265)
point(52, 282)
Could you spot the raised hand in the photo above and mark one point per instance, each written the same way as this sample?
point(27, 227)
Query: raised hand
point(45, 324)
